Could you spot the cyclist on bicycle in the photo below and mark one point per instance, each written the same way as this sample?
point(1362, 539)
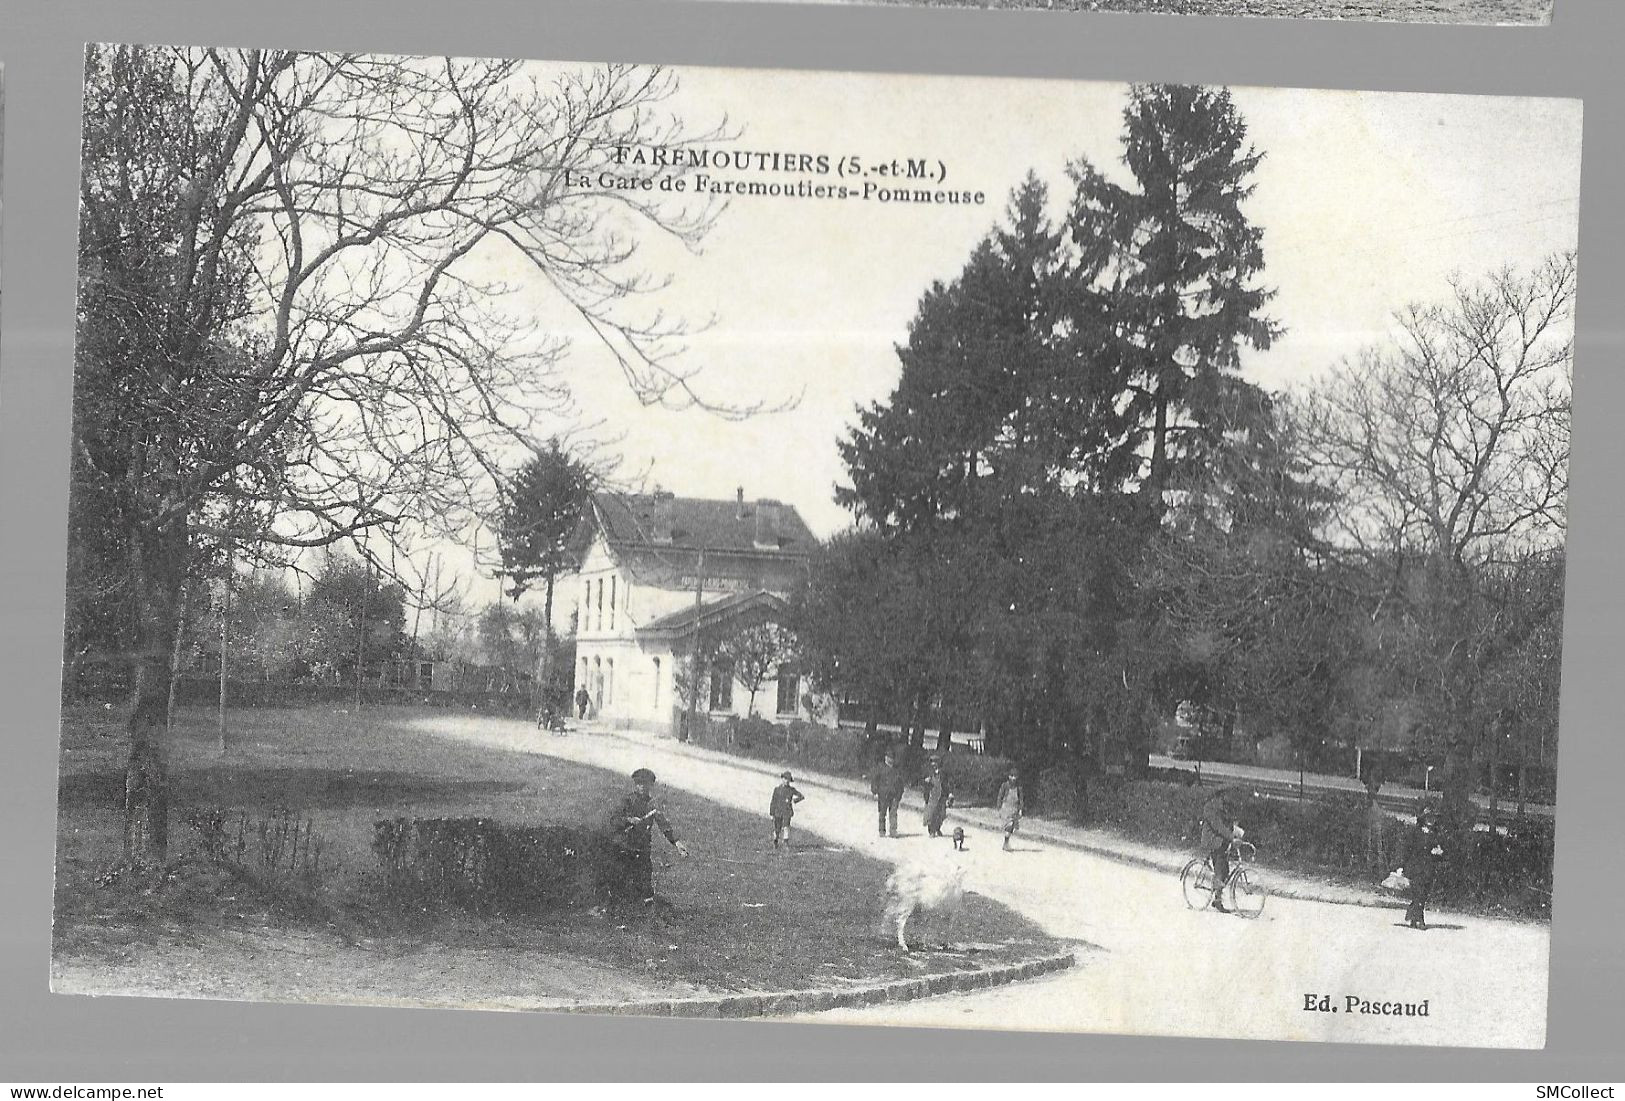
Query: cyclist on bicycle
point(1220, 828)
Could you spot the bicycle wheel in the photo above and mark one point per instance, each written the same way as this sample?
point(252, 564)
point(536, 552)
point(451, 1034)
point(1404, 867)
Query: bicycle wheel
point(1246, 897)
point(1197, 883)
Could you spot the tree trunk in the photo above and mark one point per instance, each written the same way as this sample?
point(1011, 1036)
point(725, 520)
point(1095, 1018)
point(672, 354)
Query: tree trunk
point(1137, 746)
point(1495, 773)
point(175, 656)
point(915, 731)
point(157, 563)
point(225, 634)
point(1457, 782)
point(691, 701)
point(1156, 476)
point(361, 642)
point(1523, 780)
point(146, 779)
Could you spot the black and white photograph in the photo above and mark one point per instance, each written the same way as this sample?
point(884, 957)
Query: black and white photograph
point(1470, 12)
point(824, 547)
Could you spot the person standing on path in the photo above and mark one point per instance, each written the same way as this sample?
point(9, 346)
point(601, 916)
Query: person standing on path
point(633, 828)
point(782, 808)
point(1012, 805)
point(937, 798)
point(1421, 863)
point(583, 700)
point(887, 784)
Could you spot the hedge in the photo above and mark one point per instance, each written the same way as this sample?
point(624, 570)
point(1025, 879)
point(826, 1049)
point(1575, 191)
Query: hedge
point(973, 778)
point(191, 691)
point(488, 867)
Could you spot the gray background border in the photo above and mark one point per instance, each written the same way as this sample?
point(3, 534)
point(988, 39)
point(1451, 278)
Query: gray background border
point(58, 1039)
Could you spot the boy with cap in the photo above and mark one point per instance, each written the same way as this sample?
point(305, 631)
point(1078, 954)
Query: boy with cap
point(783, 808)
point(632, 827)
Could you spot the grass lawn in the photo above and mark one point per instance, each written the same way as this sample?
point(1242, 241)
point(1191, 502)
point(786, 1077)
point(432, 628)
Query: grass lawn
point(738, 916)
point(1418, 11)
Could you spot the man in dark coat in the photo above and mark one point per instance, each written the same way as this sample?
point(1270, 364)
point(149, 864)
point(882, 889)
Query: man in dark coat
point(937, 798)
point(1219, 828)
point(583, 700)
point(887, 784)
point(1421, 865)
point(632, 829)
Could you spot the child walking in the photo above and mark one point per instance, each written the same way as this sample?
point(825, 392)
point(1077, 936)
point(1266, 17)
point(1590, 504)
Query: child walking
point(783, 808)
point(1010, 804)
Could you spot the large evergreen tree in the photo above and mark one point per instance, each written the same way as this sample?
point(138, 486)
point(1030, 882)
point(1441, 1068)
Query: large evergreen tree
point(1067, 371)
point(1169, 265)
point(982, 405)
point(541, 509)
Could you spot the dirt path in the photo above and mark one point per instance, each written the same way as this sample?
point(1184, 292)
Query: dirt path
point(1166, 970)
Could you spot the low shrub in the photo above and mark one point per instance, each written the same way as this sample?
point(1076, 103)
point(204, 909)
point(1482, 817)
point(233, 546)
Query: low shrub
point(1180, 776)
point(755, 733)
point(974, 778)
point(1060, 793)
point(1512, 871)
point(487, 867)
point(1337, 834)
point(1148, 810)
point(281, 845)
point(274, 862)
point(201, 691)
point(793, 744)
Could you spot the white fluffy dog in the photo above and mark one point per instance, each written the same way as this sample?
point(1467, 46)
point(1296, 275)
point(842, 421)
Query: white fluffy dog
point(934, 893)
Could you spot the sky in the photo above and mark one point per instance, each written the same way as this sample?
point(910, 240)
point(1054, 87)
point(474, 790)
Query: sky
point(1368, 202)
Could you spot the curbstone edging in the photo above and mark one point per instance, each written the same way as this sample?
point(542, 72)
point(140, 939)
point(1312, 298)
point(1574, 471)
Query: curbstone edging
point(789, 1002)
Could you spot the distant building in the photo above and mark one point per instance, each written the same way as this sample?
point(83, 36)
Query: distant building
point(660, 574)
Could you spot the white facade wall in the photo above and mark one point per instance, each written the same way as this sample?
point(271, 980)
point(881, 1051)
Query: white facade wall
point(633, 682)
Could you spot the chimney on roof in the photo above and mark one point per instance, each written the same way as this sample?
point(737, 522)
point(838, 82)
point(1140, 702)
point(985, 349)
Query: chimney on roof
point(767, 524)
point(660, 518)
point(739, 498)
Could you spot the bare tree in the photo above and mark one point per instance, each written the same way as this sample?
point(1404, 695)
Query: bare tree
point(754, 653)
point(285, 337)
point(1453, 441)
point(1449, 453)
point(427, 589)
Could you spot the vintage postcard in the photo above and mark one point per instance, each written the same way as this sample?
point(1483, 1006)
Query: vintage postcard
point(895, 550)
point(1475, 12)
